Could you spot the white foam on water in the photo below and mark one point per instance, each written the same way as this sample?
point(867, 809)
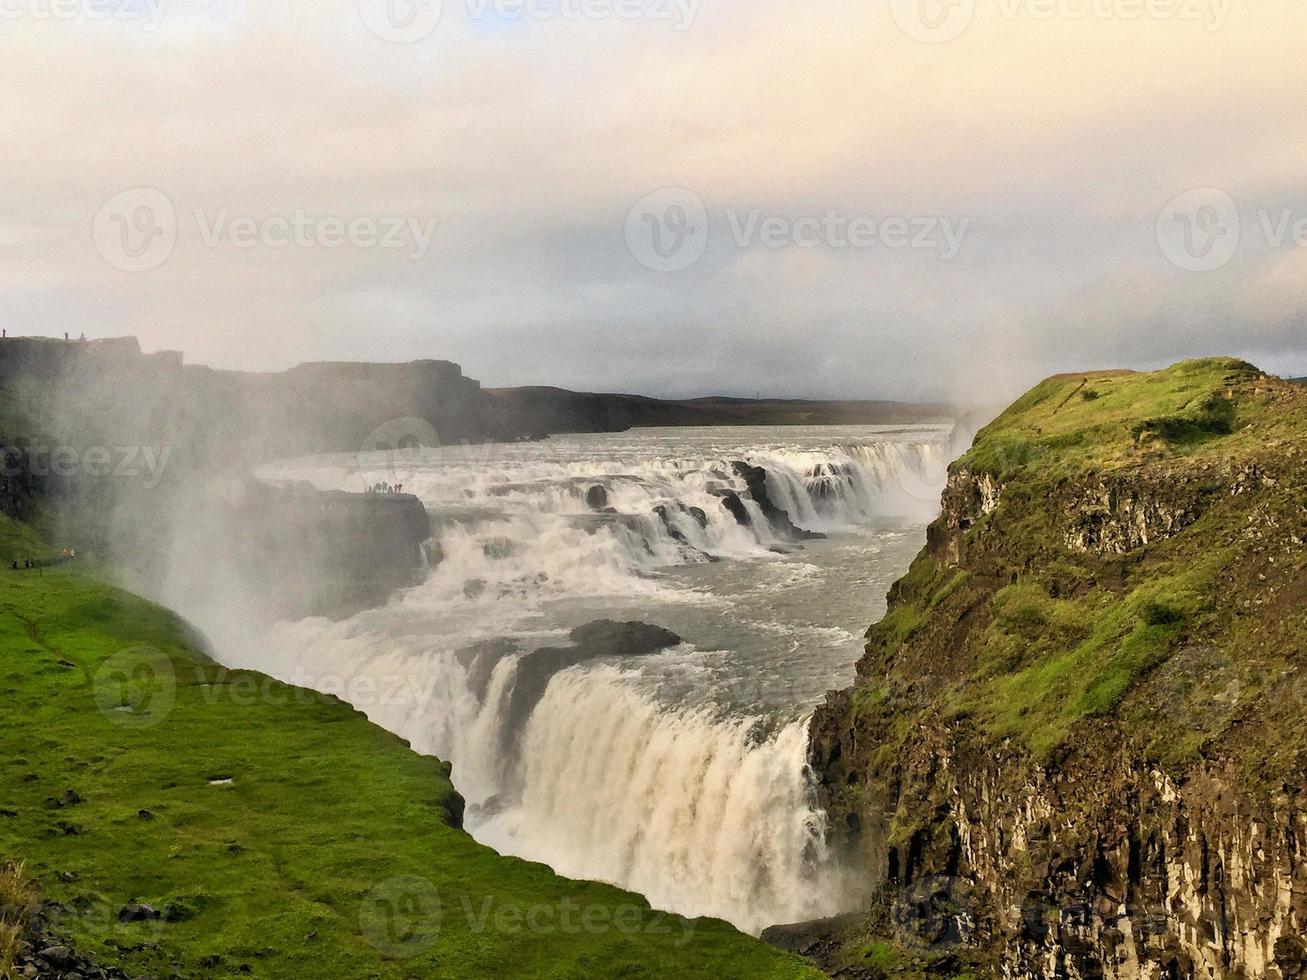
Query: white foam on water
point(698, 813)
point(702, 807)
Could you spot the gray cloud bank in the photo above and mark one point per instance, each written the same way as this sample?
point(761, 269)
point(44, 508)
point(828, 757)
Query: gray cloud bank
point(335, 192)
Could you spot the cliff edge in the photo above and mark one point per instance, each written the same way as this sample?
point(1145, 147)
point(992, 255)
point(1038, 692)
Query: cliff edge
point(1077, 746)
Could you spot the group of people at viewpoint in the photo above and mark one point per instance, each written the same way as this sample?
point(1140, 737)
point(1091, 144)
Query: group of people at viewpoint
point(65, 555)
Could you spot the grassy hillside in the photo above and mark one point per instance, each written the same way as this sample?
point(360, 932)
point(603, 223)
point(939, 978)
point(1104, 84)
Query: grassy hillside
point(1104, 640)
point(1064, 620)
point(277, 833)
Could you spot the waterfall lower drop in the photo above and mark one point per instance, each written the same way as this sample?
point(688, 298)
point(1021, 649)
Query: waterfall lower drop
point(683, 774)
point(697, 814)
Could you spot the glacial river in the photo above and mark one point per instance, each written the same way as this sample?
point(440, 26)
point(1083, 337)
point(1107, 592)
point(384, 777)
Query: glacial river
point(681, 775)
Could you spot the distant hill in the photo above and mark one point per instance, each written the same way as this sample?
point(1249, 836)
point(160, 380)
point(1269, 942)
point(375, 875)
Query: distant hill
point(546, 410)
point(228, 416)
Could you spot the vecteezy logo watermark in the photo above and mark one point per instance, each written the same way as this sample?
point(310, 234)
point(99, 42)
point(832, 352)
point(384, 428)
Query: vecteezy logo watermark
point(401, 21)
point(136, 229)
point(401, 917)
point(397, 448)
point(938, 21)
point(136, 687)
point(1201, 230)
point(933, 21)
point(148, 13)
point(669, 230)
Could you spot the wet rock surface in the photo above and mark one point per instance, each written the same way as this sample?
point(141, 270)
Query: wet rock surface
point(755, 478)
point(602, 638)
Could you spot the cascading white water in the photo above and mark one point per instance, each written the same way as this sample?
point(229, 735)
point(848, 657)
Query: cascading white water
point(680, 775)
point(693, 811)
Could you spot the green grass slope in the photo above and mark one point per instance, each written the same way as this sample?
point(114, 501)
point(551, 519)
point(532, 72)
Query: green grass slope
point(330, 852)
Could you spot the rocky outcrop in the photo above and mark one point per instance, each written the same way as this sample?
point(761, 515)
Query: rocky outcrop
point(1089, 870)
point(1120, 514)
point(49, 958)
point(596, 498)
point(603, 638)
point(734, 506)
point(1076, 747)
point(755, 480)
point(322, 553)
point(215, 418)
point(967, 498)
point(32, 940)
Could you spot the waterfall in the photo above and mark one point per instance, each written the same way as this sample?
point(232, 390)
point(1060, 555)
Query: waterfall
point(649, 772)
point(520, 527)
point(699, 814)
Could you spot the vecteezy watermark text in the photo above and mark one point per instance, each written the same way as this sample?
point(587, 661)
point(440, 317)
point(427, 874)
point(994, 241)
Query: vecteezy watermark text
point(302, 230)
point(834, 230)
point(145, 463)
point(939, 21)
point(409, 21)
point(1202, 230)
point(148, 14)
point(403, 917)
point(136, 688)
point(679, 13)
point(137, 230)
point(670, 229)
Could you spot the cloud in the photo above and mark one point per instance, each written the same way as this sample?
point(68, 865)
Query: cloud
point(528, 139)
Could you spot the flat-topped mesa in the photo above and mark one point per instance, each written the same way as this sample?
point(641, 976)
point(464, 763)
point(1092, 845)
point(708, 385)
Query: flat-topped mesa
point(99, 390)
point(326, 407)
point(1076, 744)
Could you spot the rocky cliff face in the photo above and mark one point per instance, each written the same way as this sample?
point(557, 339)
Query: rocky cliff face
point(145, 462)
point(110, 389)
point(310, 553)
point(1076, 747)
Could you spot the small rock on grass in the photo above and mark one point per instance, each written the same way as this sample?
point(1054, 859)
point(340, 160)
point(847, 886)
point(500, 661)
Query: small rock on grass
point(137, 912)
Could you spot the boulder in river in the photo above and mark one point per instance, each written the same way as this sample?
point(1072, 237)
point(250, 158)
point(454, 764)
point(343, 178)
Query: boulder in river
point(672, 531)
point(755, 478)
point(602, 638)
point(480, 660)
point(735, 507)
point(596, 498)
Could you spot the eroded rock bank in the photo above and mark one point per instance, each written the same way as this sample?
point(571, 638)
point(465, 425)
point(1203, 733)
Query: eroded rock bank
point(1076, 746)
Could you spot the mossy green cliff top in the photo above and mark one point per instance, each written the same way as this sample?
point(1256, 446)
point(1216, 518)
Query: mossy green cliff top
point(1089, 693)
point(1102, 525)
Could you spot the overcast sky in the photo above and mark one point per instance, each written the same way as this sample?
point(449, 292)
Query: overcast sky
point(886, 198)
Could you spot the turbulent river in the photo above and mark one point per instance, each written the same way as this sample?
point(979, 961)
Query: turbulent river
point(680, 775)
